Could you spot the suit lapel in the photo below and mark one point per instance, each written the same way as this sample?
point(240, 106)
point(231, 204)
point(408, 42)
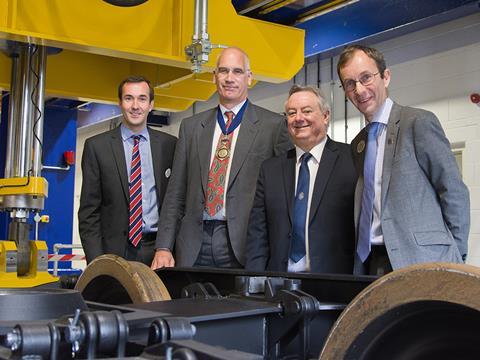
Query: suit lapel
point(325, 168)
point(246, 136)
point(157, 159)
point(359, 146)
point(116, 143)
point(390, 145)
point(288, 168)
point(204, 144)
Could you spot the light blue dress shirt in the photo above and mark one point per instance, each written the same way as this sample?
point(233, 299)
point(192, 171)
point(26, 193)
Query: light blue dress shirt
point(149, 193)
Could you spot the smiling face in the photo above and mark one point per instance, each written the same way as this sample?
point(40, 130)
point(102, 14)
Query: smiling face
point(307, 122)
point(232, 77)
point(135, 104)
point(367, 98)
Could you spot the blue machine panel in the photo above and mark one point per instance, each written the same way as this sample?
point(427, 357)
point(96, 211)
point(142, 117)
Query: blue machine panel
point(59, 134)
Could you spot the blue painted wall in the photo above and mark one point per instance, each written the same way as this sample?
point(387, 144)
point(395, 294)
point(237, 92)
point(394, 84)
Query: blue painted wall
point(59, 135)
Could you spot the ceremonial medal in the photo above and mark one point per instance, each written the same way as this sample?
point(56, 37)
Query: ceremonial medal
point(223, 151)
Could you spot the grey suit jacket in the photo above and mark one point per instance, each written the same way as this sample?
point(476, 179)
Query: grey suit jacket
point(262, 135)
point(103, 213)
point(425, 206)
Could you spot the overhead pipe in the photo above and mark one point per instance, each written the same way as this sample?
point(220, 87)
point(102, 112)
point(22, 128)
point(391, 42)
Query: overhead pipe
point(201, 47)
point(201, 20)
point(332, 96)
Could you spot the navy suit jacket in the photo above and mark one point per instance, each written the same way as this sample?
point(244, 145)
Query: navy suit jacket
point(331, 225)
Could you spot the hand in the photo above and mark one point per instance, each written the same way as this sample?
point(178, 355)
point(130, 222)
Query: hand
point(162, 258)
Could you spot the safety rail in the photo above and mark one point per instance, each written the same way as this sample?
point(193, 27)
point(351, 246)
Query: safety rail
point(56, 256)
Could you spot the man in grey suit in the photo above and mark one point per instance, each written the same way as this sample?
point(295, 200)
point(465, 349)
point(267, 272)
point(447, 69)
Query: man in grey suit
point(411, 205)
point(119, 212)
point(218, 156)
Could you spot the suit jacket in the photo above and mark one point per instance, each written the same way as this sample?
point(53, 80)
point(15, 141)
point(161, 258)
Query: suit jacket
point(331, 230)
point(425, 206)
point(262, 135)
point(103, 214)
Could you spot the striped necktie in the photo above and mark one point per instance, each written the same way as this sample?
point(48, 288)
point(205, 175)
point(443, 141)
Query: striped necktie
point(135, 190)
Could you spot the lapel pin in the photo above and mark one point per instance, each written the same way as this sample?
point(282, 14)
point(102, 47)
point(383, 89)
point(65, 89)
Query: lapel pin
point(168, 172)
point(361, 146)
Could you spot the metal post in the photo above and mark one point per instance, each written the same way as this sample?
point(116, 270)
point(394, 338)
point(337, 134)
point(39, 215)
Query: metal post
point(23, 143)
point(201, 20)
point(332, 99)
point(12, 111)
point(38, 110)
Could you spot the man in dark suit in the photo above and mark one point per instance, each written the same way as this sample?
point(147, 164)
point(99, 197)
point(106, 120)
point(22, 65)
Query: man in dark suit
point(411, 205)
point(125, 176)
point(217, 159)
point(302, 217)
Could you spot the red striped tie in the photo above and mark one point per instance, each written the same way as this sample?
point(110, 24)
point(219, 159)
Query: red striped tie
point(135, 189)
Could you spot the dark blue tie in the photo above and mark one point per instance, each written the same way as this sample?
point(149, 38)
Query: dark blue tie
point(368, 196)
point(297, 245)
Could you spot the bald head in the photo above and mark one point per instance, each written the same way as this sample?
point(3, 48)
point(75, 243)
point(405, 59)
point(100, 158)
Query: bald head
point(232, 77)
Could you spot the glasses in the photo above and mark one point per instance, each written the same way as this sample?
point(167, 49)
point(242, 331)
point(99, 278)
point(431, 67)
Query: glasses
point(223, 71)
point(365, 79)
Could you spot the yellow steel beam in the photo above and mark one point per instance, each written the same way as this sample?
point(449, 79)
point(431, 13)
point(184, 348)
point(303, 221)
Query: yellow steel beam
point(36, 186)
point(103, 44)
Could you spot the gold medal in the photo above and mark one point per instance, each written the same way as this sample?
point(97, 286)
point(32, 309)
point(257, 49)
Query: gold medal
point(223, 153)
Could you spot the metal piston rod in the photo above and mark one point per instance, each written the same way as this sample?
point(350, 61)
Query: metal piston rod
point(24, 143)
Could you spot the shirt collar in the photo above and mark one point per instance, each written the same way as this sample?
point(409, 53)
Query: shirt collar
point(127, 133)
point(235, 109)
point(383, 113)
point(316, 151)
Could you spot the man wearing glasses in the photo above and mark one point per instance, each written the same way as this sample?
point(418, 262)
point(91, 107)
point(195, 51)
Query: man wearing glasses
point(217, 159)
point(411, 205)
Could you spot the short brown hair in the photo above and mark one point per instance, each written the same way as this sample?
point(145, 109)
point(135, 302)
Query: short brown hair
point(135, 79)
point(348, 53)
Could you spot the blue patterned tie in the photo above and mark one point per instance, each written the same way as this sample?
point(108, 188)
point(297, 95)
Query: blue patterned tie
point(297, 245)
point(366, 211)
point(135, 190)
